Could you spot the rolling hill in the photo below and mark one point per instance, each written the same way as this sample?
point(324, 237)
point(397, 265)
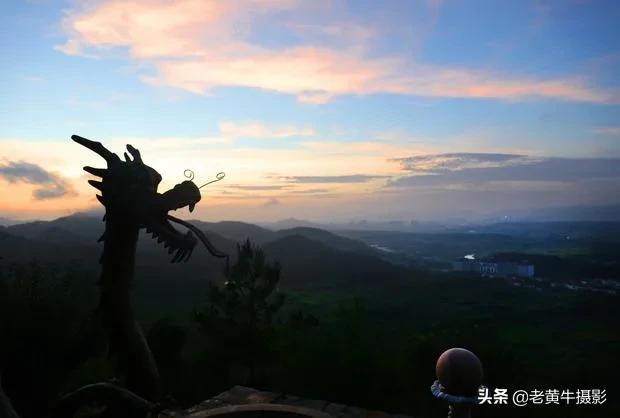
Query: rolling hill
point(310, 257)
point(312, 264)
point(78, 228)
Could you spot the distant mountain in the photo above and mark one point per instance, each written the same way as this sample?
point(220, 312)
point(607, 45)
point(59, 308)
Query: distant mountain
point(310, 257)
point(567, 230)
point(307, 263)
point(607, 213)
point(18, 249)
point(238, 231)
point(583, 213)
point(292, 223)
point(439, 247)
point(77, 228)
point(395, 225)
point(8, 221)
point(86, 228)
point(329, 239)
point(361, 225)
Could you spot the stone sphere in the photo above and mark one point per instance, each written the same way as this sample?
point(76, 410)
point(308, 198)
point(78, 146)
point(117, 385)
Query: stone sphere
point(459, 371)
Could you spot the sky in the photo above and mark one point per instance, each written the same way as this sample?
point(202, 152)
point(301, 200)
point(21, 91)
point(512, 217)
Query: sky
point(323, 110)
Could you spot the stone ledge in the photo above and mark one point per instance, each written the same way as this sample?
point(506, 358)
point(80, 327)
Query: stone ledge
point(242, 399)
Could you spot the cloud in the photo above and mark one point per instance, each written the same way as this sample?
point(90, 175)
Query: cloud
point(200, 45)
point(608, 130)
point(260, 130)
point(271, 202)
point(354, 178)
point(460, 183)
point(459, 161)
point(342, 33)
point(256, 187)
point(49, 186)
point(310, 191)
point(467, 169)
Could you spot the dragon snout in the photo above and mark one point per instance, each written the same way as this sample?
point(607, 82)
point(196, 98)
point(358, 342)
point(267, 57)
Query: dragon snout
point(181, 195)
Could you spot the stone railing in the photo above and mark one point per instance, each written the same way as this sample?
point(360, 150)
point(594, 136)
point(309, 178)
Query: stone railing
point(459, 377)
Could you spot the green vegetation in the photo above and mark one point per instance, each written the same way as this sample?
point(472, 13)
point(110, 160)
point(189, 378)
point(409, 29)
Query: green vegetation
point(45, 333)
point(338, 335)
point(240, 314)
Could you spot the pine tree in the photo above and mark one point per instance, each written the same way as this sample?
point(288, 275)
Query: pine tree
point(240, 314)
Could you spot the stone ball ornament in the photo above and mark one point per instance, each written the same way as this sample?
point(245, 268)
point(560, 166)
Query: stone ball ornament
point(459, 371)
point(459, 378)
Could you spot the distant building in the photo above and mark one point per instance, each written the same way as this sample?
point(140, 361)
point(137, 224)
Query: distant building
point(493, 267)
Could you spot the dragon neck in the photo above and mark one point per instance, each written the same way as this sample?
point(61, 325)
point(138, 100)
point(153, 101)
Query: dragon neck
point(118, 258)
point(126, 340)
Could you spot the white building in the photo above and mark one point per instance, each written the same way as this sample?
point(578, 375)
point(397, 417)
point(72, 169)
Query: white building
point(494, 267)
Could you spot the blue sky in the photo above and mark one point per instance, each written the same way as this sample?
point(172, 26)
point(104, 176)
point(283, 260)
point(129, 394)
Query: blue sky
point(276, 89)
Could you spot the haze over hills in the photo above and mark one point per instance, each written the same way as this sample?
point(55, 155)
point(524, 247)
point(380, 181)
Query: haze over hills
point(608, 213)
point(85, 228)
point(309, 257)
point(8, 221)
point(317, 260)
point(565, 230)
point(77, 228)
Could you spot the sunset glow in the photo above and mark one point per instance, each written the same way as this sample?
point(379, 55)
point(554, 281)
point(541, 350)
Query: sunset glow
point(324, 110)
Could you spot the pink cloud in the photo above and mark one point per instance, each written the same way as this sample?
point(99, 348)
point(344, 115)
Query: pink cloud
point(314, 75)
point(199, 45)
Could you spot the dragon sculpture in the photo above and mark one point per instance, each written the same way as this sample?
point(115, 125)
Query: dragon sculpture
point(128, 191)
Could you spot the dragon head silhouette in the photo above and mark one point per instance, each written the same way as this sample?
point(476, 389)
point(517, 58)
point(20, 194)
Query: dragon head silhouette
point(129, 194)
